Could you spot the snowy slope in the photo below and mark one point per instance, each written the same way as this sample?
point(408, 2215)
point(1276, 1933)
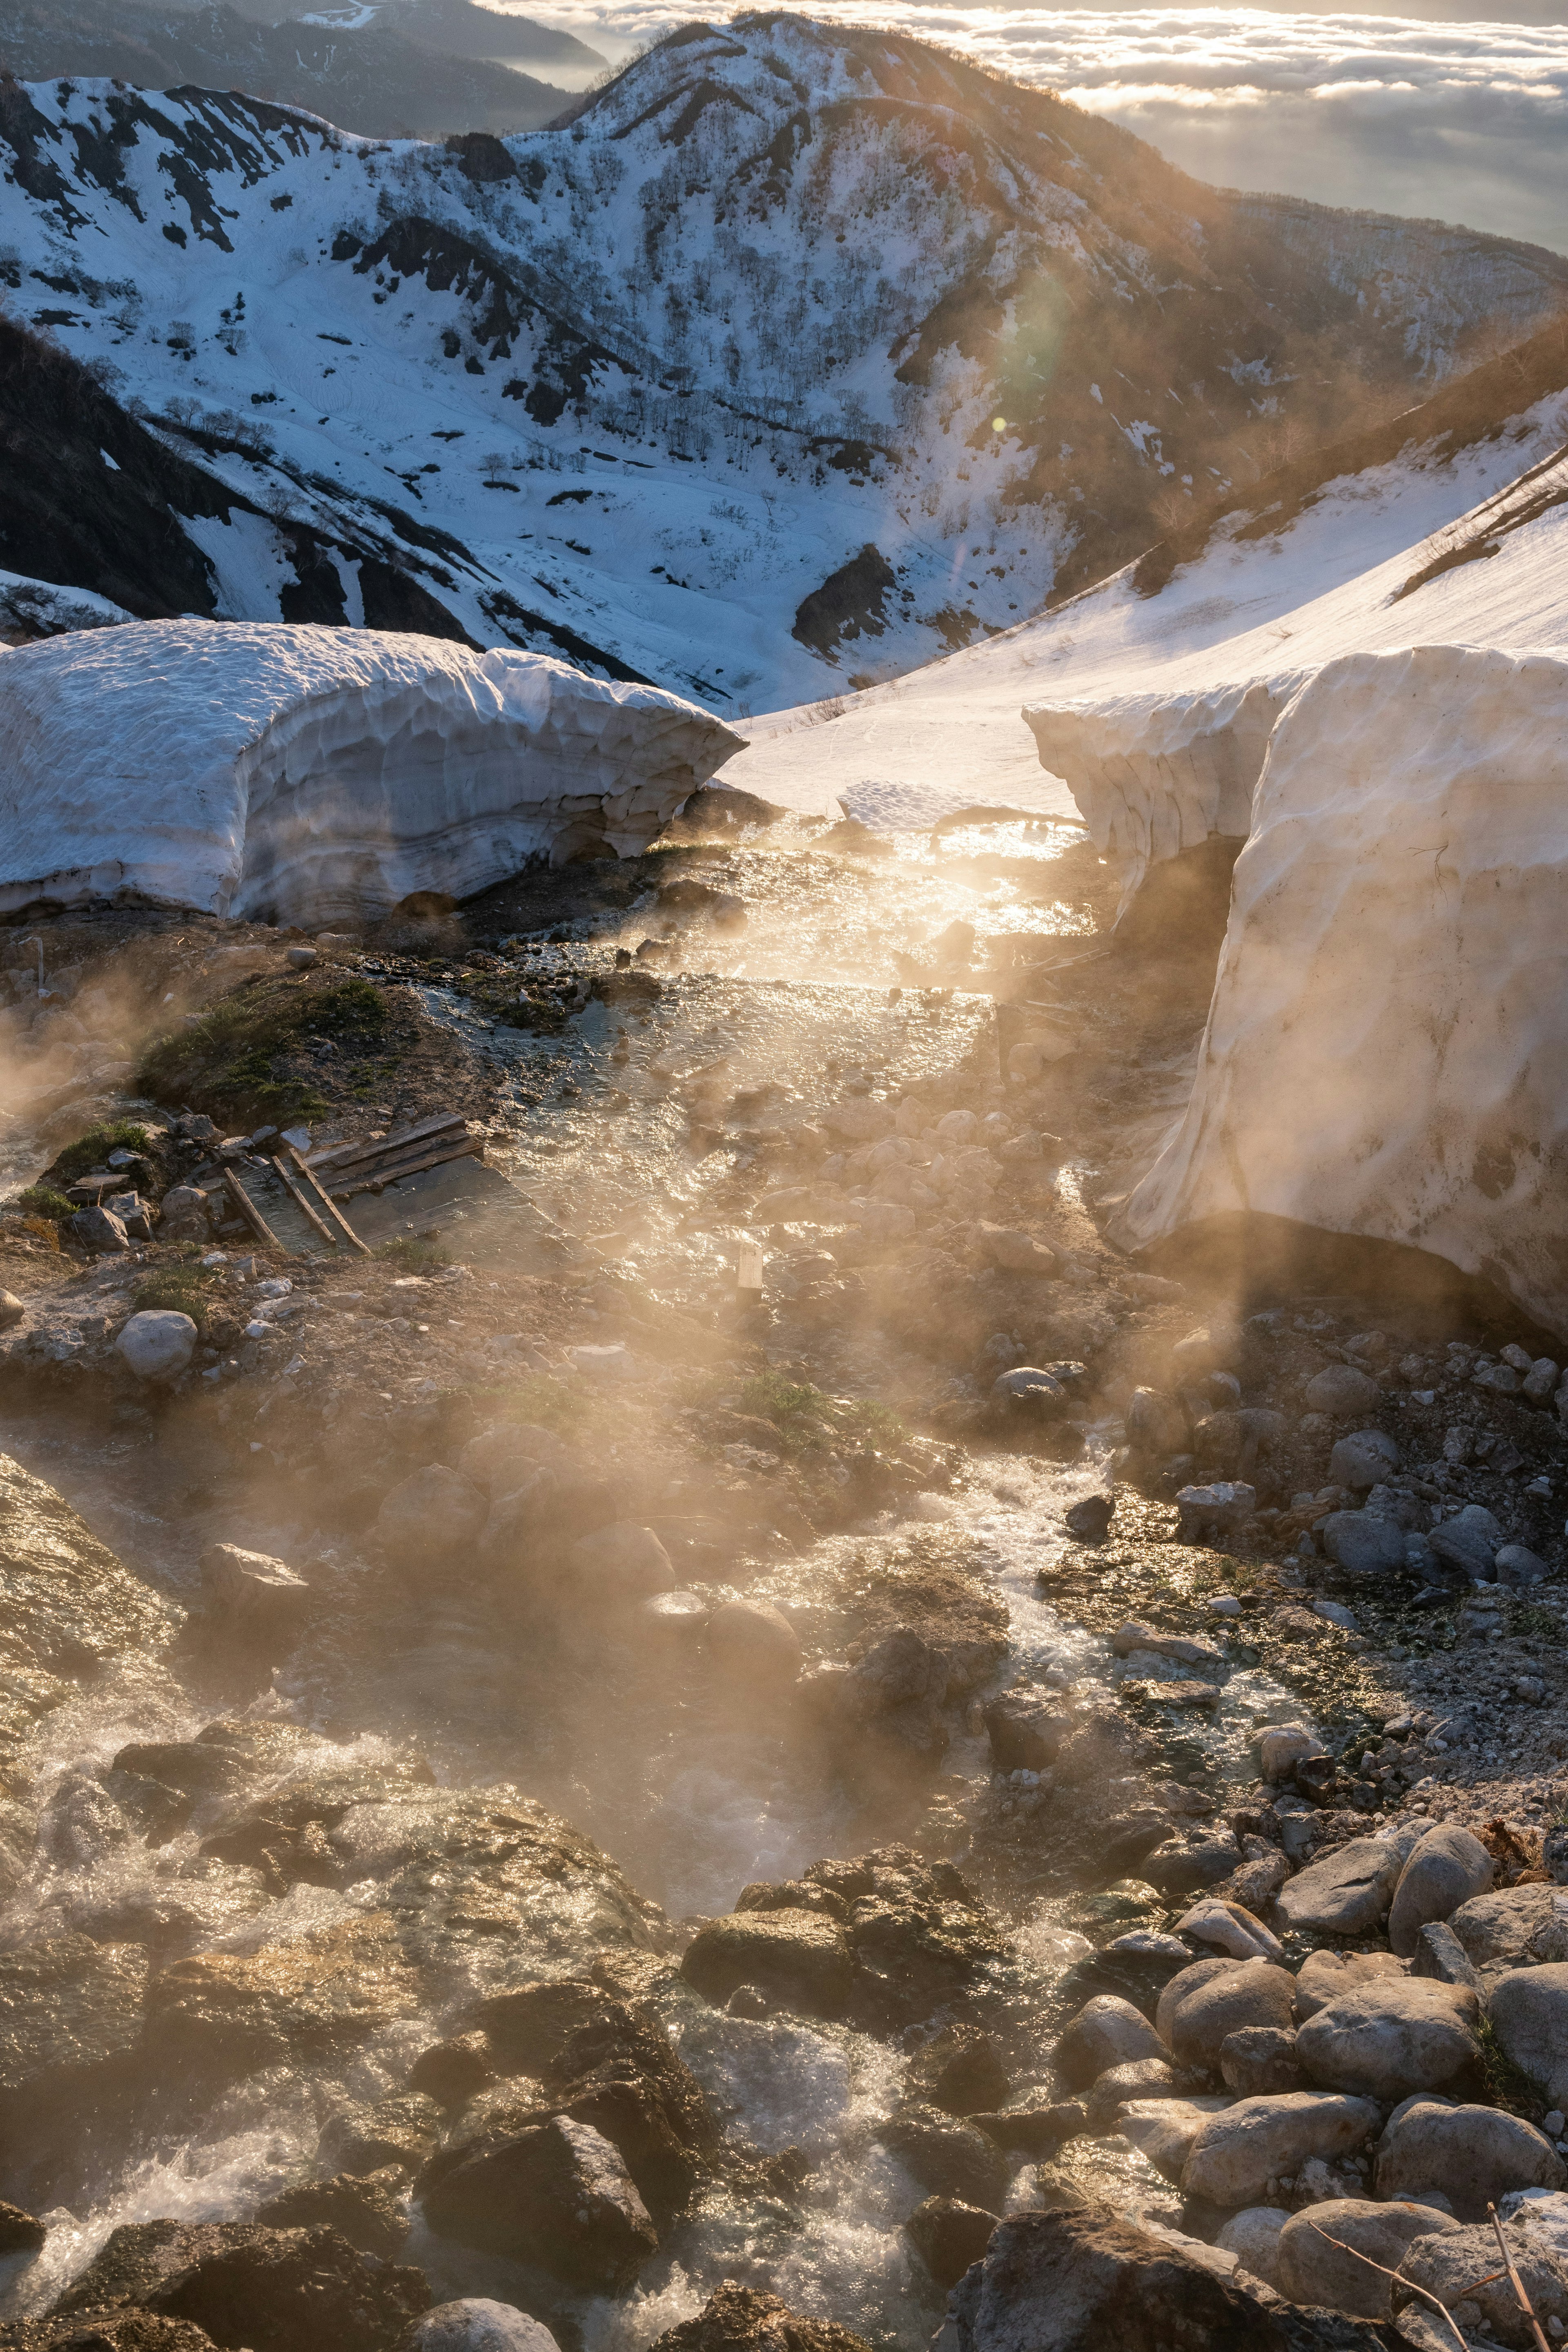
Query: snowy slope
point(1136, 694)
point(703, 387)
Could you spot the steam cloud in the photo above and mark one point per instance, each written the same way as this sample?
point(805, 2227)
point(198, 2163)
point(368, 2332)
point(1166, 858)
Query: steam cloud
point(1454, 122)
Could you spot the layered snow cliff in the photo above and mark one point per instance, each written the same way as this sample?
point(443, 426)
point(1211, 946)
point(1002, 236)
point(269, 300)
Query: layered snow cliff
point(311, 775)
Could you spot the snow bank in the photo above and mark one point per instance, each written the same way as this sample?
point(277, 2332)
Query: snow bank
point(1388, 1048)
point(38, 608)
point(310, 775)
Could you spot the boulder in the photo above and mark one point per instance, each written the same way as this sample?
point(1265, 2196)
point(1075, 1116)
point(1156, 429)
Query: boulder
point(99, 1231)
point(184, 1215)
point(751, 1642)
point(292, 2290)
point(1080, 2279)
point(1512, 1928)
point(1253, 2237)
point(1105, 2032)
point(70, 2015)
point(1313, 2270)
point(158, 1343)
point(1246, 1993)
point(503, 1456)
point(20, 2232)
point(1185, 1982)
point(1028, 1394)
point(1341, 1392)
point(367, 2211)
point(555, 2194)
point(1364, 1544)
point(475, 2324)
point(1214, 1510)
point(1392, 2037)
point(1530, 2017)
point(1230, 1928)
point(1089, 1520)
point(1284, 1746)
point(1473, 2156)
point(1462, 2268)
point(621, 1564)
point(13, 1310)
point(1155, 1422)
point(958, 2070)
point(947, 2156)
point(744, 2319)
point(1448, 1867)
point(1184, 1863)
point(1027, 1727)
point(1258, 2061)
point(1323, 1976)
point(1237, 2154)
point(253, 1599)
point(1165, 2130)
point(1440, 1956)
point(1010, 1250)
point(948, 2236)
point(800, 1958)
point(1468, 1543)
point(1517, 1566)
point(1363, 1461)
point(428, 1516)
point(1138, 2079)
point(1346, 1892)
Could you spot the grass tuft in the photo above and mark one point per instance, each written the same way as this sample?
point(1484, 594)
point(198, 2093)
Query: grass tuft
point(414, 1256)
point(42, 1201)
point(228, 1058)
point(92, 1150)
point(184, 1289)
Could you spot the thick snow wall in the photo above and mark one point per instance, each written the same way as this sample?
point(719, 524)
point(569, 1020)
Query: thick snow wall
point(1157, 774)
point(1386, 1052)
point(310, 775)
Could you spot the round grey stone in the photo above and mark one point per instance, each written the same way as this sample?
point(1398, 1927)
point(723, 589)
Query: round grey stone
point(475, 2324)
point(1342, 1392)
point(1362, 1543)
point(157, 1343)
point(1363, 1460)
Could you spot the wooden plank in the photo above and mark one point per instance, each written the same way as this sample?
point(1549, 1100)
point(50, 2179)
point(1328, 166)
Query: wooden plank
point(250, 1212)
point(328, 1204)
point(344, 1154)
point(377, 1180)
point(748, 1269)
point(300, 1203)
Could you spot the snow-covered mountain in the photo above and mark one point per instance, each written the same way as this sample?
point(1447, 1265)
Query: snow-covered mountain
point(796, 357)
point(376, 77)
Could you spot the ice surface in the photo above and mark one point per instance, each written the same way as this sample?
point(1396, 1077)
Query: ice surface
point(1387, 1049)
point(313, 774)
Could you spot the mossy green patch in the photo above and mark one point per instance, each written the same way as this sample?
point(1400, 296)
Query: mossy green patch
point(92, 1150)
point(184, 1289)
point(414, 1256)
point(810, 1421)
point(234, 1061)
point(43, 1200)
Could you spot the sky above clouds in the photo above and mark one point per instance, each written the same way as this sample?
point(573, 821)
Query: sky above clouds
point(1462, 121)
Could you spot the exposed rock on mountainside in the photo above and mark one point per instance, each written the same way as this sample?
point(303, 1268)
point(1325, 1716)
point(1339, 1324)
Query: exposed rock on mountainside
point(1382, 1051)
point(375, 80)
point(651, 380)
point(313, 775)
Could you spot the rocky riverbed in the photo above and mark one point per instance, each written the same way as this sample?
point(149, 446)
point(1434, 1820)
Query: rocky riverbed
point(772, 1742)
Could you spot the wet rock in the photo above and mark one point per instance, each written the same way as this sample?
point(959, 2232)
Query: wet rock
point(800, 1960)
point(1166, 2130)
point(1214, 1510)
point(1105, 2032)
point(1081, 2280)
point(1090, 1519)
point(1230, 1929)
point(948, 2236)
point(744, 2319)
point(1529, 2010)
point(158, 1343)
point(1462, 2268)
point(1363, 1461)
point(1027, 1727)
point(1241, 1993)
point(959, 2071)
point(293, 2290)
point(431, 1515)
point(1258, 2061)
point(1155, 1422)
point(1028, 1394)
point(137, 2259)
point(947, 2157)
point(1449, 1867)
point(751, 1642)
point(1253, 2237)
point(1282, 1747)
point(1311, 2269)
point(1364, 1544)
point(122, 2330)
point(1341, 1392)
point(367, 2211)
point(1238, 2153)
point(223, 2015)
point(1473, 2154)
point(1345, 1893)
point(475, 2324)
point(555, 2194)
point(621, 1564)
point(70, 2018)
point(1468, 1543)
point(452, 2072)
point(1393, 2037)
point(20, 2232)
point(1187, 1862)
point(395, 2133)
point(1119, 2086)
point(253, 1599)
point(1178, 1647)
point(1511, 1927)
point(1324, 1975)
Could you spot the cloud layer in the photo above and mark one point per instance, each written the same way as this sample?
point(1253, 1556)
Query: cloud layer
point(1463, 122)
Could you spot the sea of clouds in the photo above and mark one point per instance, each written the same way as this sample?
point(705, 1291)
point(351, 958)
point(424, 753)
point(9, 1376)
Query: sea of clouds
point(1456, 121)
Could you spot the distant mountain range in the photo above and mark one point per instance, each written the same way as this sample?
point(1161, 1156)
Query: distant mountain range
point(410, 70)
point(792, 357)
